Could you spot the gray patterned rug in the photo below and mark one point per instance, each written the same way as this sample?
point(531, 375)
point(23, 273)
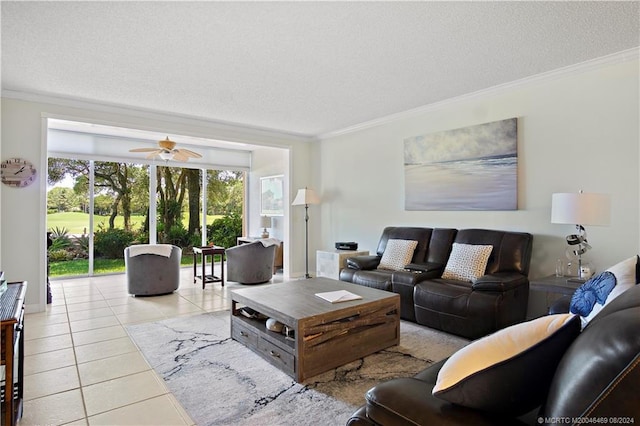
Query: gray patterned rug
point(220, 382)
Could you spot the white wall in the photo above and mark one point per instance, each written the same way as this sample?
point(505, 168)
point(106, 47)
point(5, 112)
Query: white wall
point(267, 162)
point(577, 130)
point(23, 211)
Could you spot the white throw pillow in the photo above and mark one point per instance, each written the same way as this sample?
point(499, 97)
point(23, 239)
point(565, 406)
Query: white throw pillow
point(509, 371)
point(397, 254)
point(467, 262)
point(625, 273)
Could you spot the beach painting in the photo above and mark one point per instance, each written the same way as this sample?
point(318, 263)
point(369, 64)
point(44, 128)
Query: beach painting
point(472, 168)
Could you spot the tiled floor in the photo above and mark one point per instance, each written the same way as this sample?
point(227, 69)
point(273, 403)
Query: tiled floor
point(80, 365)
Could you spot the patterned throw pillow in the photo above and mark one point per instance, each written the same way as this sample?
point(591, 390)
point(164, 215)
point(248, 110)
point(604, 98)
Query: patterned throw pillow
point(467, 262)
point(397, 254)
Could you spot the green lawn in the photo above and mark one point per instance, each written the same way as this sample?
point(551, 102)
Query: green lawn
point(100, 266)
point(77, 223)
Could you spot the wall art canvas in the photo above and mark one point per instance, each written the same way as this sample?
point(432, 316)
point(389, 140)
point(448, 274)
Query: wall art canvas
point(472, 168)
point(271, 196)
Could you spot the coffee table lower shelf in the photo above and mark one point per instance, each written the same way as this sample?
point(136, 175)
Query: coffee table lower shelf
point(320, 342)
point(271, 346)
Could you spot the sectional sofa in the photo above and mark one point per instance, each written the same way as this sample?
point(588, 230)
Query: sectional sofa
point(557, 369)
point(468, 282)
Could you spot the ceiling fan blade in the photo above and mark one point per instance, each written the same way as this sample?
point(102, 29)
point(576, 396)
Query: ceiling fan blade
point(189, 153)
point(179, 156)
point(143, 150)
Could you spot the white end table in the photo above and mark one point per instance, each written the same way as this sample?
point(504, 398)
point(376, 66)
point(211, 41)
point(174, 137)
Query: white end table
point(329, 262)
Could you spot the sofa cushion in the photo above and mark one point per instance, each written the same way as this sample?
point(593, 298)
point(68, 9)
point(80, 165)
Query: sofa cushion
point(467, 262)
point(625, 273)
point(508, 371)
point(397, 254)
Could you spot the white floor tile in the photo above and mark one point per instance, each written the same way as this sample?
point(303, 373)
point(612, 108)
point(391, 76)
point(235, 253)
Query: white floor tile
point(79, 356)
point(112, 368)
point(100, 350)
point(156, 411)
point(50, 382)
point(46, 361)
point(37, 332)
point(98, 335)
point(93, 323)
point(46, 344)
point(117, 393)
point(57, 409)
point(91, 313)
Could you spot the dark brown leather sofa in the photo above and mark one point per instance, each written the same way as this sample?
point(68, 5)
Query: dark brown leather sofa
point(429, 260)
point(596, 381)
point(496, 300)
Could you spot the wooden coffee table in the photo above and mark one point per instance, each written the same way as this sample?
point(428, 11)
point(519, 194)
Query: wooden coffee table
point(320, 335)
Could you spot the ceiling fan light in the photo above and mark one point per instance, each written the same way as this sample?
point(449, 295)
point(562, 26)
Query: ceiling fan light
point(166, 156)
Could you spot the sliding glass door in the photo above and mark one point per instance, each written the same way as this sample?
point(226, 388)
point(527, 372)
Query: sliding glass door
point(97, 208)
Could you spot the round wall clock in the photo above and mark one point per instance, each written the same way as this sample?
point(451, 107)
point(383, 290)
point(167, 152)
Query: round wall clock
point(17, 172)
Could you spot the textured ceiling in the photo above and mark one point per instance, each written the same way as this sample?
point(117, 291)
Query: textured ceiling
point(304, 68)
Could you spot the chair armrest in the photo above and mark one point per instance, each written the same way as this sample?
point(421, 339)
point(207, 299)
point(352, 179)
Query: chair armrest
point(424, 267)
point(363, 262)
point(500, 281)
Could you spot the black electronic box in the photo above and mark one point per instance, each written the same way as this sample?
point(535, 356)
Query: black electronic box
point(347, 245)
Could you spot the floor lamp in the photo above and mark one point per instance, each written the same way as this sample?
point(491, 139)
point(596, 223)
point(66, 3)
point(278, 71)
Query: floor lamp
point(305, 197)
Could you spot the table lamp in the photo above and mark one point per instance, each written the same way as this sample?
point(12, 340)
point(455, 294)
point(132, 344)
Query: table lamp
point(265, 223)
point(580, 209)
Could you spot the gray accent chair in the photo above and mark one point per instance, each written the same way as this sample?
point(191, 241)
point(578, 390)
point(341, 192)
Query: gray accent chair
point(250, 263)
point(150, 273)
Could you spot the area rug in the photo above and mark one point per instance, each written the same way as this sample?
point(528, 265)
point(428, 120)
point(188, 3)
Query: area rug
point(220, 382)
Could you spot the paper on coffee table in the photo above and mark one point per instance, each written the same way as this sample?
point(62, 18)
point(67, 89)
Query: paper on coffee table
point(338, 296)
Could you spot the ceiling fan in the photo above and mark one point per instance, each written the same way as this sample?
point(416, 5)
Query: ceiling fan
point(167, 151)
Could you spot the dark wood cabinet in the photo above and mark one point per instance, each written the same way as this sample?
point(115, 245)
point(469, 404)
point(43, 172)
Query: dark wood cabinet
point(12, 351)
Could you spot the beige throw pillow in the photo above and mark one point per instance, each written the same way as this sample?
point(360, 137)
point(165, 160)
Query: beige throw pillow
point(467, 262)
point(397, 254)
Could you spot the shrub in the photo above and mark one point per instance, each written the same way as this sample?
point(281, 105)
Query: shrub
point(225, 230)
point(59, 255)
point(59, 239)
point(81, 247)
point(110, 243)
point(178, 236)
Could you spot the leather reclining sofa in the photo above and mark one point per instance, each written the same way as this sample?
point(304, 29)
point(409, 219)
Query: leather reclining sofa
point(596, 381)
point(469, 309)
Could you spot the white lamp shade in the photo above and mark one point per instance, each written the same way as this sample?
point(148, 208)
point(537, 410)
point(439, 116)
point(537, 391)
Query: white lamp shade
point(581, 208)
point(265, 222)
point(305, 196)
point(166, 155)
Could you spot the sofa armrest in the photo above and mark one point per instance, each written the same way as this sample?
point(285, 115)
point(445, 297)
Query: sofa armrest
point(500, 281)
point(363, 262)
point(560, 306)
point(424, 267)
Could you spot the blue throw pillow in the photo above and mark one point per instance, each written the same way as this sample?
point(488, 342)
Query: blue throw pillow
point(597, 289)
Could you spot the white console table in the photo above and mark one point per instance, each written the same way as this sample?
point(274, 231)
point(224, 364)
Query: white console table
point(329, 262)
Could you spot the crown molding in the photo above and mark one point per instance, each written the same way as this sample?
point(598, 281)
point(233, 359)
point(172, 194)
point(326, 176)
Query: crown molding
point(229, 131)
point(604, 61)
